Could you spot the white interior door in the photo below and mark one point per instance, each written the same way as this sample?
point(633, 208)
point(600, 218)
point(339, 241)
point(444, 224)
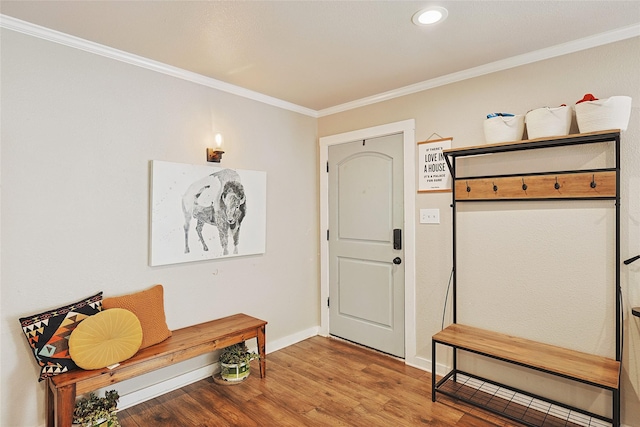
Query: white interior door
point(366, 269)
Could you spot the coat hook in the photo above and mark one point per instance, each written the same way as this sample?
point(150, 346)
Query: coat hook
point(495, 187)
point(468, 188)
point(593, 181)
point(556, 185)
point(524, 186)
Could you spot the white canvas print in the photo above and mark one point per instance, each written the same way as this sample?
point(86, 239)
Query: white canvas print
point(203, 212)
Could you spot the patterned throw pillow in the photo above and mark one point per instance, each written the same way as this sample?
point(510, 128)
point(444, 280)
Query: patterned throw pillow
point(48, 334)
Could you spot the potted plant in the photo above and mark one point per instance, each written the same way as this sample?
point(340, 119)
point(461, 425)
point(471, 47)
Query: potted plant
point(94, 411)
point(234, 362)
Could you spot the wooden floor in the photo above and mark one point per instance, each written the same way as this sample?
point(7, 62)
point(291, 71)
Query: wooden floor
point(317, 382)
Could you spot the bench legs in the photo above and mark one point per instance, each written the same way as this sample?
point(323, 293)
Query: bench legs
point(59, 405)
point(433, 371)
point(262, 351)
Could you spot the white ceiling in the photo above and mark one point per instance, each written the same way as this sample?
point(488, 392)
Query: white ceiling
point(323, 54)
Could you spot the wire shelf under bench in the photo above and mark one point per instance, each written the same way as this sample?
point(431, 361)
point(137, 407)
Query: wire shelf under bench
point(517, 405)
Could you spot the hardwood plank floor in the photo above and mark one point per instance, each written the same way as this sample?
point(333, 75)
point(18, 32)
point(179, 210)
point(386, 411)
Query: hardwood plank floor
point(317, 382)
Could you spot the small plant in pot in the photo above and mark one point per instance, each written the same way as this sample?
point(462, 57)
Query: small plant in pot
point(94, 411)
point(234, 362)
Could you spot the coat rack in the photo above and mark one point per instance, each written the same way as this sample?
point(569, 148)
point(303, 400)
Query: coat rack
point(584, 184)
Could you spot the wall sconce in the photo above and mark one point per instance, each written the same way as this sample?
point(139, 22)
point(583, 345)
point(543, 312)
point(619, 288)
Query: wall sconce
point(215, 154)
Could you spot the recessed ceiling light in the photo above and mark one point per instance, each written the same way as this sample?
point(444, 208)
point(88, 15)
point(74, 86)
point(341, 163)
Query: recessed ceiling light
point(430, 15)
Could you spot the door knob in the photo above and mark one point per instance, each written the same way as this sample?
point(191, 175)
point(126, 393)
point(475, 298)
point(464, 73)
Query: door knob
point(397, 260)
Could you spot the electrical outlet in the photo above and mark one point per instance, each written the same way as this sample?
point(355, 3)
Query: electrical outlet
point(429, 216)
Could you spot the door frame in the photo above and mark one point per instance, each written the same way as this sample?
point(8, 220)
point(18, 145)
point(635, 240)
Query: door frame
point(407, 128)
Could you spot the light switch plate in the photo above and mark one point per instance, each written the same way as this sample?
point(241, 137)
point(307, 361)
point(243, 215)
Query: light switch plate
point(429, 216)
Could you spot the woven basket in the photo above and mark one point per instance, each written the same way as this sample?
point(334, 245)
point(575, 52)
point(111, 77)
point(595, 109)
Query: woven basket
point(544, 122)
point(604, 114)
point(503, 129)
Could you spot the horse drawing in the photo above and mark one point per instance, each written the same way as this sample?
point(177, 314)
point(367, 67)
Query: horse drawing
point(219, 200)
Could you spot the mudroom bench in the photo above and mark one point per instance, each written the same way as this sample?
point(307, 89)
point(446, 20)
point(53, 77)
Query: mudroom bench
point(597, 371)
point(183, 344)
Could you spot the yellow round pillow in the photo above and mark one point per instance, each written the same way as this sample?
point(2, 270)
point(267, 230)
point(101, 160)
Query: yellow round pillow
point(106, 338)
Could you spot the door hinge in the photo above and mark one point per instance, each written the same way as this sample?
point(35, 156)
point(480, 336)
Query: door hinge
point(327, 167)
point(328, 304)
point(327, 235)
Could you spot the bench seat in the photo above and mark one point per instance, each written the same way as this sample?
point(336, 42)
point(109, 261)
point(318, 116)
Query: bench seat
point(588, 368)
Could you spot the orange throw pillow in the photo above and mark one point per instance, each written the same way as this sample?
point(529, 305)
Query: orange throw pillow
point(148, 306)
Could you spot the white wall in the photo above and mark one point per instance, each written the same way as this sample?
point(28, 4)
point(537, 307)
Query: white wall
point(78, 133)
point(567, 303)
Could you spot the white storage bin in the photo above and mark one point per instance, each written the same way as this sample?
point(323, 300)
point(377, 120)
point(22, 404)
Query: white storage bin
point(544, 122)
point(504, 129)
point(604, 114)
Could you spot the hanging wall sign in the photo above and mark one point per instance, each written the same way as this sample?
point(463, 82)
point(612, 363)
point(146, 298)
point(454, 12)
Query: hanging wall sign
point(433, 173)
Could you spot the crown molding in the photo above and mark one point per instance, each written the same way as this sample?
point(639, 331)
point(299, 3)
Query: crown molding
point(516, 61)
point(38, 31)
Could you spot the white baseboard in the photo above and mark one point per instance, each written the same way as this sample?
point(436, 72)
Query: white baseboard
point(425, 364)
point(148, 393)
point(420, 363)
point(292, 339)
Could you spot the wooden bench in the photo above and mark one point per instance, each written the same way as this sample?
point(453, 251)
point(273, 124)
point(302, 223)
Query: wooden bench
point(183, 344)
point(591, 369)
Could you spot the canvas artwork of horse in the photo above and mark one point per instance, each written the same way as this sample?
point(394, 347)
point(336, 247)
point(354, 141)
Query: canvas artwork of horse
point(219, 200)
